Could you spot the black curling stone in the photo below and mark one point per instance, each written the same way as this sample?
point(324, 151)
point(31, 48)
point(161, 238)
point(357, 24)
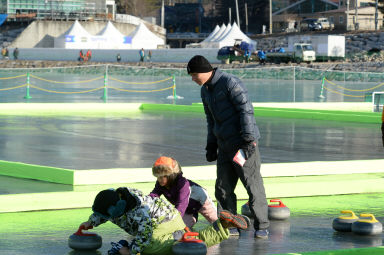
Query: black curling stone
point(84, 241)
point(344, 223)
point(367, 226)
point(278, 212)
point(189, 245)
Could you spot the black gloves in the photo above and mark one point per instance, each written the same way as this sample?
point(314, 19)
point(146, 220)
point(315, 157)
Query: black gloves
point(248, 149)
point(211, 154)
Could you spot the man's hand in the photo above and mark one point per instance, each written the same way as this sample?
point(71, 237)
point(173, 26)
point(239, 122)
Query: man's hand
point(248, 149)
point(211, 154)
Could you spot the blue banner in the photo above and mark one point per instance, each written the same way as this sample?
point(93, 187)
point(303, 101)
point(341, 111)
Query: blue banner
point(69, 38)
point(127, 40)
point(3, 17)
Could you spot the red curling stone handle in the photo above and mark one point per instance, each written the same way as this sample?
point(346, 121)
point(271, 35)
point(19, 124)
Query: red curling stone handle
point(80, 231)
point(278, 201)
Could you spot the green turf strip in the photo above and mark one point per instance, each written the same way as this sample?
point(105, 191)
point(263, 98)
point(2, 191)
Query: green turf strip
point(348, 116)
point(45, 173)
point(322, 206)
point(302, 188)
point(357, 251)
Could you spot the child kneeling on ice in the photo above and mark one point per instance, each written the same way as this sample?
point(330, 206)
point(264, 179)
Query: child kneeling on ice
point(154, 223)
point(188, 197)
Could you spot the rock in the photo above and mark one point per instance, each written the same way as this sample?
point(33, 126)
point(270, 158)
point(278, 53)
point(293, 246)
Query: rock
point(344, 223)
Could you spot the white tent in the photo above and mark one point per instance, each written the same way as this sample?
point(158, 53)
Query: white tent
point(111, 38)
point(76, 37)
point(227, 29)
point(143, 38)
point(229, 39)
point(217, 28)
point(219, 33)
point(207, 43)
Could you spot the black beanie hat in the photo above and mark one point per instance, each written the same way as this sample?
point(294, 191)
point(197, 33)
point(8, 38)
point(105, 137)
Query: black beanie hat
point(199, 64)
point(104, 200)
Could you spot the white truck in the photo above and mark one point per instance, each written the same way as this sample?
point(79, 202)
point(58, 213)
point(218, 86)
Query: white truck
point(301, 52)
point(327, 47)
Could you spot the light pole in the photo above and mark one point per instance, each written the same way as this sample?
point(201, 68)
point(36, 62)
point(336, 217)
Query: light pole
point(246, 18)
point(237, 14)
point(270, 16)
point(162, 13)
point(376, 14)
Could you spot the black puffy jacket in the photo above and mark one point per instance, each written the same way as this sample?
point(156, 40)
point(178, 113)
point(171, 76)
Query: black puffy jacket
point(230, 116)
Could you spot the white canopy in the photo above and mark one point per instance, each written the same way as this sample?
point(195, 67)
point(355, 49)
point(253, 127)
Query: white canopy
point(231, 36)
point(217, 28)
point(76, 37)
point(219, 33)
point(142, 37)
point(227, 29)
point(111, 38)
point(207, 43)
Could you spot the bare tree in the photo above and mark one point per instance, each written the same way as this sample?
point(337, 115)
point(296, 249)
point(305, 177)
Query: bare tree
point(139, 8)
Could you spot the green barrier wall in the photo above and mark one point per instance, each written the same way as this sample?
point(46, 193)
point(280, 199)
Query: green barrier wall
point(44, 173)
point(347, 116)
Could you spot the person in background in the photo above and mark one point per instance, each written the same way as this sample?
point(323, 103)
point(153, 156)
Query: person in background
point(231, 126)
point(88, 56)
point(118, 57)
point(188, 197)
point(154, 223)
point(149, 56)
point(3, 51)
point(81, 56)
point(142, 55)
point(262, 57)
point(16, 53)
point(247, 55)
point(6, 56)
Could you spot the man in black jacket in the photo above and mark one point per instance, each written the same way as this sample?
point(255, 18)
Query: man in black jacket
point(231, 127)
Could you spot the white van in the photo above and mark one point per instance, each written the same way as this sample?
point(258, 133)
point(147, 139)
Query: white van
point(325, 24)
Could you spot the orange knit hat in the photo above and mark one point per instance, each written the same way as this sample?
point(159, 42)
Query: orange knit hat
point(164, 166)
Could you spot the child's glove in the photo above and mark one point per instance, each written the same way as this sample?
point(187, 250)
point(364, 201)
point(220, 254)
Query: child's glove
point(117, 246)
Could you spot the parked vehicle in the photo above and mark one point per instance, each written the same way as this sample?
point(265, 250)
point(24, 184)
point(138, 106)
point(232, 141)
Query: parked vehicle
point(302, 52)
point(327, 47)
point(310, 25)
point(241, 52)
point(325, 24)
point(316, 24)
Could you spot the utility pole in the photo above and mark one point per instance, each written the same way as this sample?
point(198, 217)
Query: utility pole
point(162, 13)
point(376, 15)
point(246, 18)
point(270, 16)
point(347, 19)
point(356, 16)
point(237, 14)
point(230, 16)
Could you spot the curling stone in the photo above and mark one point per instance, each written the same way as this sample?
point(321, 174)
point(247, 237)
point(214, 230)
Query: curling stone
point(278, 212)
point(189, 245)
point(84, 241)
point(344, 223)
point(369, 226)
point(246, 211)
